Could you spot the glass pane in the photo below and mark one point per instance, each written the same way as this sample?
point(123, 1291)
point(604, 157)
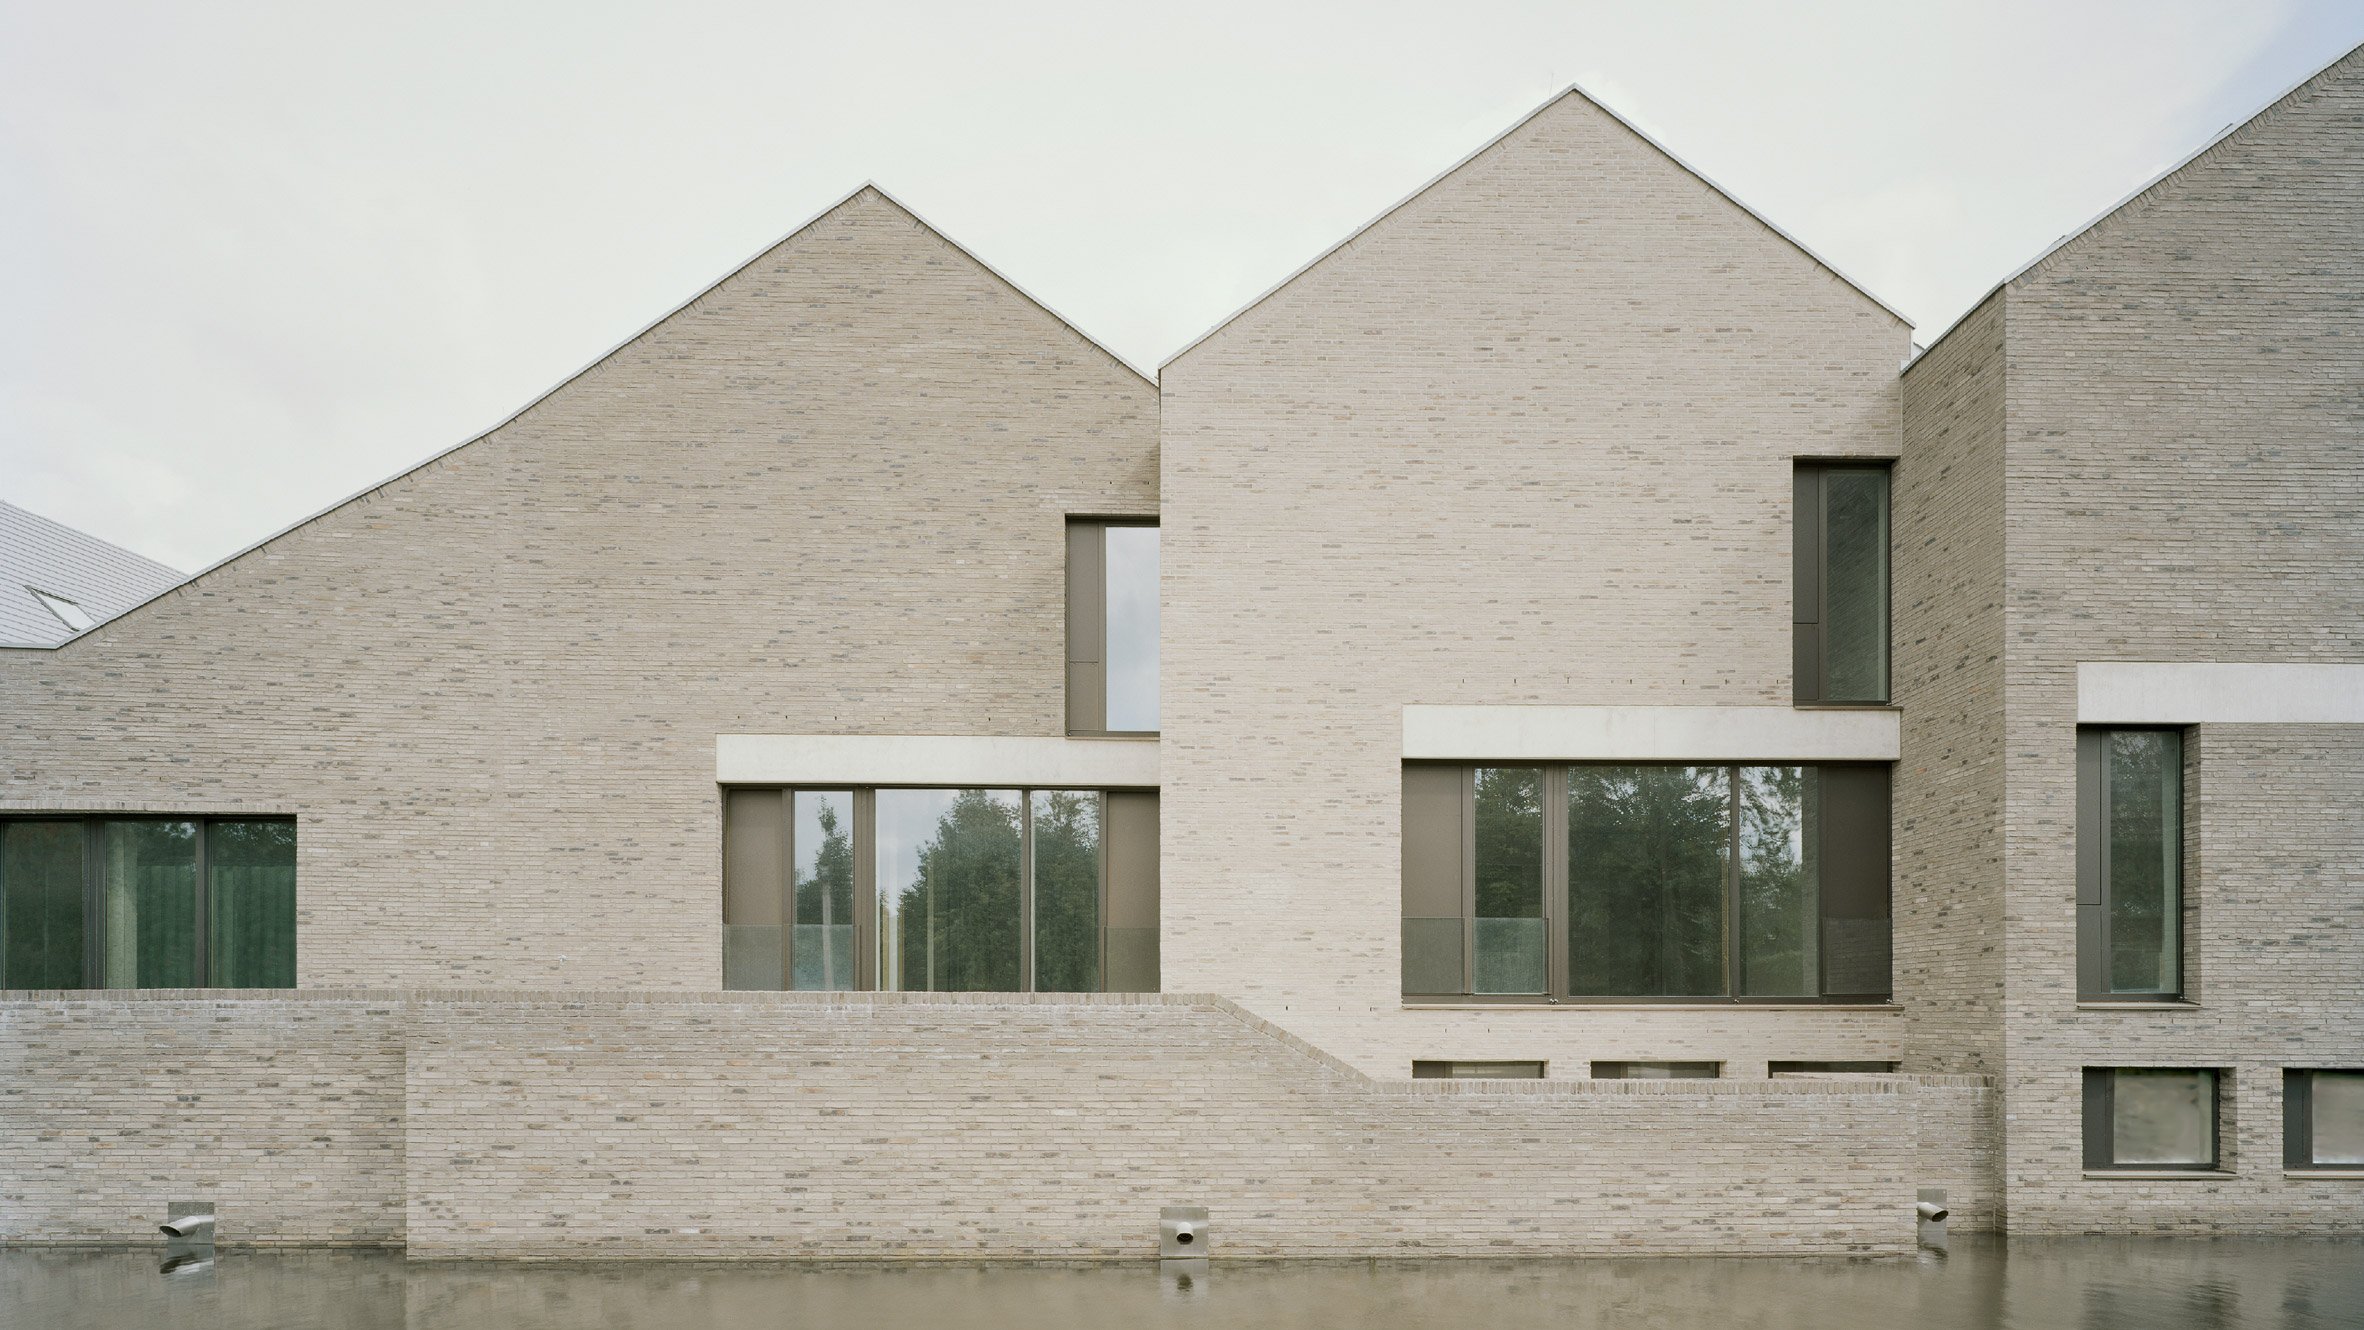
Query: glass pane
point(1432, 957)
point(2339, 1117)
point(1646, 856)
point(751, 957)
point(1780, 917)
point(1132, 627)
point(2146, 860)
point(823, 942)
point(1509, 923)
point(150, 885)
point(250, 896)
point(1855, 585)
point(948, 891)
point(2164, 1117)
point(1066, 891)
point(41, 897)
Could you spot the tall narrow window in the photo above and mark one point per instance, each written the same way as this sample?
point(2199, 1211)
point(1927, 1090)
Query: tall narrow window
point(250, 871)
point(41, 904)
point(1066, 868)
point(1839, 626)
point(1643, 882)
point(1112, 627)
point(821, 887)
point(2129, 864)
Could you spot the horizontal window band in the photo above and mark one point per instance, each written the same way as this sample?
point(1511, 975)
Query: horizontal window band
point(1466, 1003)
point(2160, 693)
point(1749, 734)
point(948, 761)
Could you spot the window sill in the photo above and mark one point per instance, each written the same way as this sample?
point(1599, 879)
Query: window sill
point(2325, 1174)
point(2134, 1004)
point(2157, 1175)
point(1449, 1005)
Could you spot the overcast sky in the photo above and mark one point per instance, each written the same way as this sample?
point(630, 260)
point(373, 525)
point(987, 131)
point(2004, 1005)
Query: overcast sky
point(254, 258)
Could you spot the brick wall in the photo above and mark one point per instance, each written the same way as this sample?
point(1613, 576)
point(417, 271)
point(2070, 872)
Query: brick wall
point(786, 1125)
point(826, 497)
point(1528, 439)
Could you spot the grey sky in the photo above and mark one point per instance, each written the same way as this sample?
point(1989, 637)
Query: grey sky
point(256, 257)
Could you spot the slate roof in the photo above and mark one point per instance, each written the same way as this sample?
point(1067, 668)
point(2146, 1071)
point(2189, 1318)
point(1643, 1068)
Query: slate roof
point(39, 555)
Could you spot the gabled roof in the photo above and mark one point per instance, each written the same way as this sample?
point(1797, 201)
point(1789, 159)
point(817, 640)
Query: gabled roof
point(2157, 182)
point(1572, 90)
point(43, 562)
point(176, 579)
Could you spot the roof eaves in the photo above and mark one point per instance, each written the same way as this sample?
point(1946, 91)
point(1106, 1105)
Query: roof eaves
point(1572, 90)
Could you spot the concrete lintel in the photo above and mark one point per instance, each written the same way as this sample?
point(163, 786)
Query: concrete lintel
point(1651, 734)
point(2153, 693)
point(932, 759)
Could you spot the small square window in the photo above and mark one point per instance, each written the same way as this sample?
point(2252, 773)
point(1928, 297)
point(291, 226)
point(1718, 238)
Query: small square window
point(2323, 1119)
point(1656, 1071)
point(2151, 1118)
point(1424, 1070)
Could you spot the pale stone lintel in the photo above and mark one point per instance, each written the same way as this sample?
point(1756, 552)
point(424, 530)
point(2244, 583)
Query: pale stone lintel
point(931, 759)
point(2146, 693)
point(1650, 734)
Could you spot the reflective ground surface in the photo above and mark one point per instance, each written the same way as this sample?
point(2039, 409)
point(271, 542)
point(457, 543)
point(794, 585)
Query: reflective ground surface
point(2090, 1284)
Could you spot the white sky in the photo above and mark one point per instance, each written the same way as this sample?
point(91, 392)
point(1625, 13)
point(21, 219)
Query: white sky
point(254, 257)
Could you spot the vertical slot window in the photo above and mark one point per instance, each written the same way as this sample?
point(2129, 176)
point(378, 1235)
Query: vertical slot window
point(1840, 577)
point(2129, 864)
point(1066, 869)
point(1507, 936)
point(821, 947)
point(1112, 627)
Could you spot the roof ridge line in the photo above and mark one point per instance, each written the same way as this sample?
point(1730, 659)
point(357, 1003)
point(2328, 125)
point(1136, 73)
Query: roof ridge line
point(1573, 89)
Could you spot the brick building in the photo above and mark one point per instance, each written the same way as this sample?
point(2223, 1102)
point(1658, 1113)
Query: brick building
point(1554, 730)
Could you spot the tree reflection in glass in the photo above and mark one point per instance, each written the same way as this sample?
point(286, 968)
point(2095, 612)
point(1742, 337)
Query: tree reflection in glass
point(1509, 922)
point(1647, 847)
point(1779, 912)
point(948, 890)
point(1066, 891)
point(824, 939)
point(2146, 860)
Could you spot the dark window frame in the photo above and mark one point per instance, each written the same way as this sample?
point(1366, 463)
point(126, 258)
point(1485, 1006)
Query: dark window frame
point(1087, 624)
point(1557, 905)
point(2094, 927)
point(1494, 1069)
point(2298, 1121)
point(2100, 1122)
point(1832, 1067)
point(1810, 580)
point(94, 903)
point(1621, 1069)
point(862, 835)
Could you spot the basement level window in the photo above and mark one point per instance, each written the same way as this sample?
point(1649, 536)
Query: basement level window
point(2151, 1118)
point(1656, 1071)
point(1813, 1068)
point(68, 613)
point(2323, 1119)
point(1423, 1070)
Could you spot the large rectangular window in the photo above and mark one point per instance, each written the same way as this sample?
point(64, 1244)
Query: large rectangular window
point(940, 890)
point(1839, 626)
point(148, 902)
point(2323, 1119)
point(1112, 627)
point(1640, 882)
point(2129, 864)
point(2147, 1118)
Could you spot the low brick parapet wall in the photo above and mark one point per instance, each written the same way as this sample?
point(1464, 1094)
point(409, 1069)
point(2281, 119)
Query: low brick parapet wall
point(481, 1123)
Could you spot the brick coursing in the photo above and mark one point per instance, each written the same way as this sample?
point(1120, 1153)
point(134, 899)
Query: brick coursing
point(807, 1125)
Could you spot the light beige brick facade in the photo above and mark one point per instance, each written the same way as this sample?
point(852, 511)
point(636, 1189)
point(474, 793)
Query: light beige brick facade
point(1527, 439)
point(2179, 409)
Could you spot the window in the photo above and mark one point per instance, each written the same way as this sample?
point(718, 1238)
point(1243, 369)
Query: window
point(2323, 1119)
point(2129, 865)
point(1839, 628)
point(1646, 882)
point(1112, 627)
point(68, 613)
point(1656, 1071)
point(147, 903)
point(1824, 1068)
point(1423, 1070)
point(2148, 1118)
point(940, 890)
